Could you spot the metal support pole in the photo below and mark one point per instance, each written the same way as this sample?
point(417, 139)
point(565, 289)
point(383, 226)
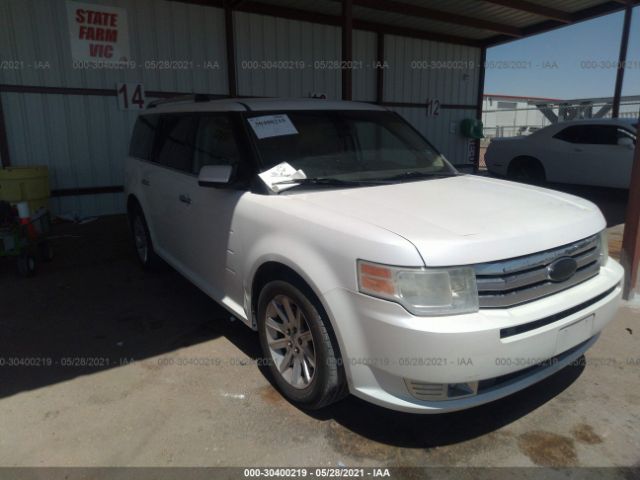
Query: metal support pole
point(479, 104)
point(347, 48)
point(630, 255)
point(622, 58)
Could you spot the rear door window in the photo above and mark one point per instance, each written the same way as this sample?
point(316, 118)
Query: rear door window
point(175, 142)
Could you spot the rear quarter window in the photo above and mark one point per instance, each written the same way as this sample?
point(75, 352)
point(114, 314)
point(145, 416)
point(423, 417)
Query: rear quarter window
point(143, 137)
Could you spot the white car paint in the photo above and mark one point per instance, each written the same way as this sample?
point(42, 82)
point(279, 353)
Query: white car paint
point(221, 238)
point(575, 162)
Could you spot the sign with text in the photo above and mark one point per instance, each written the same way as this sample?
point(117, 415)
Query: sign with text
point(433, 107)
point(99, 33)
point(131, 96)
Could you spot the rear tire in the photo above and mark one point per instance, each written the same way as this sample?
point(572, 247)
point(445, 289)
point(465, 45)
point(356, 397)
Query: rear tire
point(297, 346)
point(526, 170)
point(142, 243)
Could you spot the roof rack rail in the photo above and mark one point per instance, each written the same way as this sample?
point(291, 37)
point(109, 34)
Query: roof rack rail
point(195, 97)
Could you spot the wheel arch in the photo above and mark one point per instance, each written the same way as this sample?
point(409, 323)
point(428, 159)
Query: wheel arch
point(274, 269)
point(529, 160)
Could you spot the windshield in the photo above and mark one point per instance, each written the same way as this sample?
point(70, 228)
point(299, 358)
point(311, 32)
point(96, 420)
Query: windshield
point(345, 145)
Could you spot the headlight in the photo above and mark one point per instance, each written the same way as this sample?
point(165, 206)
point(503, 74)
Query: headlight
point(604, 247)
point(422, 291)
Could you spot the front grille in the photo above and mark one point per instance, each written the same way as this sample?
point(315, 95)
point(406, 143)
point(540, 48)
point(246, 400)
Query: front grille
point(512, 282)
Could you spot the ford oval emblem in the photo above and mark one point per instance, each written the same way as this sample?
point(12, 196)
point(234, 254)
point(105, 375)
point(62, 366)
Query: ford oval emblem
point(562, 269)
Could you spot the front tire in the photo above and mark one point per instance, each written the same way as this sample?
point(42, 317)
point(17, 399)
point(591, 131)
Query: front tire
point(295, 341)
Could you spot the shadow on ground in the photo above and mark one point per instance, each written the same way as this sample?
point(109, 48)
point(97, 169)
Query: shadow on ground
point(92, 308)
point(425, 431)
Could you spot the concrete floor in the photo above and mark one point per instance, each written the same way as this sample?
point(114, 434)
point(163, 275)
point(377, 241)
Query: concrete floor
point(176, 385)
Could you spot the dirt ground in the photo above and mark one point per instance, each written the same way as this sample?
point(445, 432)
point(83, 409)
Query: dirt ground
point(135, 369)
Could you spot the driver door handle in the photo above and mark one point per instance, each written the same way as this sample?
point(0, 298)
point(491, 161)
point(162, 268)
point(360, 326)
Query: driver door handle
point(185, 199)
point(145, 182)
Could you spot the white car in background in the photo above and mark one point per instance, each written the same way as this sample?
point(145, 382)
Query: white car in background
point(363, 259)
point(595, 152)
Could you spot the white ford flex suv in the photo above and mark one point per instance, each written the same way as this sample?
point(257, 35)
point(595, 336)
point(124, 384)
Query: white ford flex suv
point(364, 260)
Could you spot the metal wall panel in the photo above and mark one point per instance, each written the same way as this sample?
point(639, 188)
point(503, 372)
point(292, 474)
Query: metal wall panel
point(36, 30)
point(420, 70)
point(267, 46)
point(364, 56)
point(84, 139)
point(442, 131)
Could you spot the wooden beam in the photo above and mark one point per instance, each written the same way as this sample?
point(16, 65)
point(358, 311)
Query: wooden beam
point(231, 50)
point(380, 68)
point(630, 254)
point(347, 49)
point(409, 9)
point(622, 59)
point(535, 8)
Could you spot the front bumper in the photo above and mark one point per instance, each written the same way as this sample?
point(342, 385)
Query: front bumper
point(384, 348)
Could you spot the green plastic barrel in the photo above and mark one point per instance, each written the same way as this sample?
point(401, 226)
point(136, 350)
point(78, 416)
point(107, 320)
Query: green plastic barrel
point(31, 184)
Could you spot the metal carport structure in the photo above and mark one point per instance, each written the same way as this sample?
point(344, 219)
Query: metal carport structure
point(382, 26)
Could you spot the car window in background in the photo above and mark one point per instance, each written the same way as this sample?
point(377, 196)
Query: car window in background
point(350, 145)
point(143, 137)
point(216, 143)
point(589, 134)
point(175, 142)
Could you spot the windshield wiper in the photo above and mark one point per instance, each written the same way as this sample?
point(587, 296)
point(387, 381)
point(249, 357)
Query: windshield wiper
point(415, 175)
point(329, 182)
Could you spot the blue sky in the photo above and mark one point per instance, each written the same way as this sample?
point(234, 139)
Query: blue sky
point(572, 62)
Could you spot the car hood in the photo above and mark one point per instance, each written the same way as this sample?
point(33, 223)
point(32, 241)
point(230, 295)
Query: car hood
point(466, 219)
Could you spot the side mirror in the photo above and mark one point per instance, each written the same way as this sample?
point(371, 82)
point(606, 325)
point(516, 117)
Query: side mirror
point(625, 142)
point(215, 175)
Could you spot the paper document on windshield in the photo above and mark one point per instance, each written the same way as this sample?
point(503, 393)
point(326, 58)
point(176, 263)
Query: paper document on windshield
point(268, 126)
point(283, 172)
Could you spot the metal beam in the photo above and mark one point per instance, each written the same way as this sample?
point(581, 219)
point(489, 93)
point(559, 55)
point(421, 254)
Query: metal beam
point(94, 92)
point(479, 104)
point(4, 139)
point(231, 50)
point(535, 8)
point(630, 254)
point(347, 49)
point(622, 59)
point(395, 7)
point(380, 67)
